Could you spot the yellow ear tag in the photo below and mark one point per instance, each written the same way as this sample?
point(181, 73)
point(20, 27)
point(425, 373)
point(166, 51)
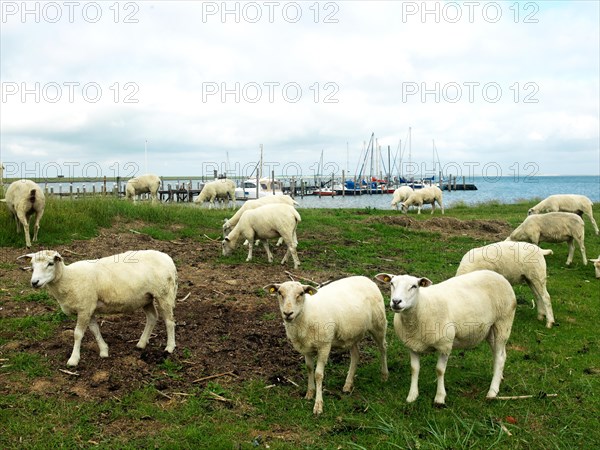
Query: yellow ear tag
point(387, 279)
point(272, 289)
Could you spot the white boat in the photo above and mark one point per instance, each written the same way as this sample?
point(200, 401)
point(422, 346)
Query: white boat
point(250, 191)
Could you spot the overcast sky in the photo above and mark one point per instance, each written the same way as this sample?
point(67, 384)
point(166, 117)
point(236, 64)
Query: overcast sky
point(90, 88)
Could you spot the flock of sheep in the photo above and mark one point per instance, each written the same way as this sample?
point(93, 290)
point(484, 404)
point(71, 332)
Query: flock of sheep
point(477, 304)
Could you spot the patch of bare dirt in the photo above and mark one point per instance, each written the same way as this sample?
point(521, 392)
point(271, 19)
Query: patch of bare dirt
point(226, 325)
point(492, 230)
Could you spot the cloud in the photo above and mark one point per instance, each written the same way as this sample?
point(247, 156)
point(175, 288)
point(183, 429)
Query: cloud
point(200, 90)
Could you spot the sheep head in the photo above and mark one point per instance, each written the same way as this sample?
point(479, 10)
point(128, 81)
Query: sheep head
point(291, 297)
point(404, 289)
point(45, 265)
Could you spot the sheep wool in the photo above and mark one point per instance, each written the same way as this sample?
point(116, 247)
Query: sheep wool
point(457, 313)
point(24, 198)
point(338, 315)
point(123, 283)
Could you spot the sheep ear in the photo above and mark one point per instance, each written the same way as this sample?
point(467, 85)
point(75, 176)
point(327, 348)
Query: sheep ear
point(310, 290)
point(28, 255)
point(424, 282)
point(590, 260)
point(57, 258)
point(384, 277)
point(272, 289)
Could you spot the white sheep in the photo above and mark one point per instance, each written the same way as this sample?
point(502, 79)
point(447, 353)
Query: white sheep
point(577, 204)
point(401, 195)
point(338, 315)
point(143, 184)
point(596, 266)
point(553, 227)
point(266, 222)
point(218, 189)
point(457, 313)
point(25, 198)
point(518, 262)
point(121, 283)
point(228, 224)
point(429, 194)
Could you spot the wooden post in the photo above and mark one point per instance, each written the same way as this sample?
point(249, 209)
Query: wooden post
point(464, 184)
point(293, 187)
point(343, 183)
point(273, 181)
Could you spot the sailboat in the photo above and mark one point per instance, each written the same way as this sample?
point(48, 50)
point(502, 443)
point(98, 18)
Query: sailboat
point(253, 188)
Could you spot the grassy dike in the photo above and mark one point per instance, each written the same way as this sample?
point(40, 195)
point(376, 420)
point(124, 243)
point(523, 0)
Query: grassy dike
point(564, 360)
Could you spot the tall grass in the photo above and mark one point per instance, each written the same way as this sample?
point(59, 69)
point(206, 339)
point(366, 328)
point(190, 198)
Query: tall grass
point(563, 360)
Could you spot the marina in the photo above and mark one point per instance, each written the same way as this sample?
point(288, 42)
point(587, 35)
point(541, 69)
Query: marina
point(508, 189)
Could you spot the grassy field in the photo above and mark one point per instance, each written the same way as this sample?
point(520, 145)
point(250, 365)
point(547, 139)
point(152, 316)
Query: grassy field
point(563, 360)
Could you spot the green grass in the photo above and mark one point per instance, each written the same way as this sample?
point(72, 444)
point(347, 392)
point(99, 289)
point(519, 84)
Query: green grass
point(563, 360)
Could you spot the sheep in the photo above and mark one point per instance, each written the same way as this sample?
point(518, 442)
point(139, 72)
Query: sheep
point(337, 315)
point(228, 224)
point(553, 227)
point(121, 283)
point(457, 313)
point(143, 184)
point(401, 195)
point(596, 266)
point(578, 204)
point(265, 222)
point(518, 262)
point(430, 194)
point(217, 189)
point(25, 198)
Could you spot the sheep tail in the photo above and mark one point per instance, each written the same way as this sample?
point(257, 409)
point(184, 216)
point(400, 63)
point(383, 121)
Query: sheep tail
point(547, 252)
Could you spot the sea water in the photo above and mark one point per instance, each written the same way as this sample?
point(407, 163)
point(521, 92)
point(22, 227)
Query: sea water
point(497, 189)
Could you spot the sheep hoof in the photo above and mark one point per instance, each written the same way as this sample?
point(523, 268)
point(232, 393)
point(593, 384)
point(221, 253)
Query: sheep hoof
point(309, 394)
point(384, 376)
point(347, 388)
point(104, 354)
point(439, 405)
point(169, 349)
point(411, 398)
point(318, 409)
point(72, 362)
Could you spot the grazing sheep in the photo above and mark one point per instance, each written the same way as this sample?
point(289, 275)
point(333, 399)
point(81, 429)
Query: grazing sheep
point(218, 189)
point(518, 262)
point(121, 283)
point(553, 227)
point(596, 266)
point(143, 184)
point(577, 204)
point(228, 224)
point(25, 198)
point(266, 222)
point(338, 315)
point(457, 313)
point(430, 194)
point(401, 195)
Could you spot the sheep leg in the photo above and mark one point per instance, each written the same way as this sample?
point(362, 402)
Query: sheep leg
point(542, 300)
point(22, 219)
point(440, 369)
point(322, 356)
point(581, 244)
point(310, 367)
point(268, 250)
point(36, 228)
point(498, 344)
point(82, 323)
point(379, 338)
point(95, 329)
point(354, 356)
point(250, 247)
point(571, 251)
point(166, 312)
point(442, 207)
point(151, 319)
point(432, 207)
point(415, 365)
